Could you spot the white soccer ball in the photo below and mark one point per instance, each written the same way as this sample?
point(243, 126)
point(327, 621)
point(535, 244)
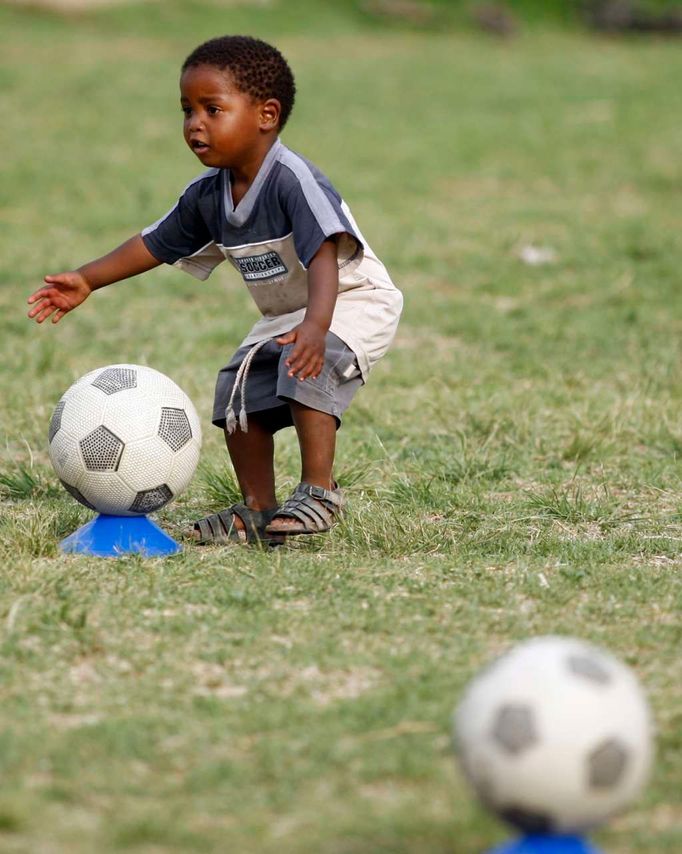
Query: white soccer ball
point(555, 736)
point(124, 440)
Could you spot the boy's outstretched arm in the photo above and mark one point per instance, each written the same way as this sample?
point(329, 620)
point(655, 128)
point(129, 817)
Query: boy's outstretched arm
point(65, 291)
point(309, 337)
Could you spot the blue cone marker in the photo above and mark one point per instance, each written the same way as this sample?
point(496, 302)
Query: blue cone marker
point(116, 536)
point(547, 844)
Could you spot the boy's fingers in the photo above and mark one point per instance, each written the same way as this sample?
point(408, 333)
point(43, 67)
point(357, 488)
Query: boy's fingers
point(296, 357)
point(313, 369)
point(309, 366)
point(296, 367)
point(45, 307)
point(36, 295)
point(37, 308)
point(301, 358)
point(303, 373)
point(50, 309)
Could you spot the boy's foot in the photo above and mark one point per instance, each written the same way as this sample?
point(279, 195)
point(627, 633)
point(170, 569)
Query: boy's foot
point(308, 510)
point(237, 524)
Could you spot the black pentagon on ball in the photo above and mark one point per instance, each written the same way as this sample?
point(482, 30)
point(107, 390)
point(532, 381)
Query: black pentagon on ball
point(174, 427)
point(77, 494)
point(589, 668)
point(149, 500)
point(527, 820)
point(112, 380)
point(101, 450)
point(606, 764)
point(514, 728)
point(56, 420)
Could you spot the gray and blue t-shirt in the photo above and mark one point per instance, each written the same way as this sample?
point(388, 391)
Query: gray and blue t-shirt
point(270, 237)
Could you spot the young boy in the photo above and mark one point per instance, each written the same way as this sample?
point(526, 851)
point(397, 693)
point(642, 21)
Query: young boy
point(329, 307)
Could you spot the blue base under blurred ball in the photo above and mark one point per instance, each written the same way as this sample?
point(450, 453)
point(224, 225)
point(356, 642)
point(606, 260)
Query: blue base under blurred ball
point(543, 844)
point(115, 536)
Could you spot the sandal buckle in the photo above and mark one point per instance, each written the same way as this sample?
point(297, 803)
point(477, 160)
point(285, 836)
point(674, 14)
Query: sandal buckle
point(318, 492)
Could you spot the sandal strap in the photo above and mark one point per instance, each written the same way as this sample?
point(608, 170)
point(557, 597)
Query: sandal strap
point(305, 513)
point(255, 521)
point(317, 514)
point(220, 527)
point(204, 528)
point(227, 518)
point(333, 496)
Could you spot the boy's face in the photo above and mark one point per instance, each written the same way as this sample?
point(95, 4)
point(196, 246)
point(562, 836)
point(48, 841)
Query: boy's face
point(224, 127)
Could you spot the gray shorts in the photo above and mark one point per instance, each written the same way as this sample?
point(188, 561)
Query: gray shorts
point(269, 389)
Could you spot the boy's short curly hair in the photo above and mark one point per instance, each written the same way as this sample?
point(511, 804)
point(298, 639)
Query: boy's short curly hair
point(258, 68)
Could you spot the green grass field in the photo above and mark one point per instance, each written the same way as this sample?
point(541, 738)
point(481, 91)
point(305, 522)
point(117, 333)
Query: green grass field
point(513, 466)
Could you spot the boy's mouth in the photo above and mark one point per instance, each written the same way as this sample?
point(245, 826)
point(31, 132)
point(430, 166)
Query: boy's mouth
point(198, 146)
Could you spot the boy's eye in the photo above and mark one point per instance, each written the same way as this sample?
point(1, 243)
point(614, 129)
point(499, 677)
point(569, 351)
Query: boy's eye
point(212, 111)
point(186, 110)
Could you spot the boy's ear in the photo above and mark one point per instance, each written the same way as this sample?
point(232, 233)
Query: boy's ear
point(269, 114)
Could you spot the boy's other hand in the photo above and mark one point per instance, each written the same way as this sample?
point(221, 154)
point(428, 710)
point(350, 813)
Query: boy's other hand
point(60, 295)
point(307, 356)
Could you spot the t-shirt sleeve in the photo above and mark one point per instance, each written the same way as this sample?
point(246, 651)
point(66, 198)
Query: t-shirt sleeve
point(182, 238)
point(316, 213)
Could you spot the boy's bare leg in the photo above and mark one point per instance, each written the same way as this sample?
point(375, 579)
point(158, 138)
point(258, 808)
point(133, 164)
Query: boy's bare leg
point(252, 456)
point(317, 440)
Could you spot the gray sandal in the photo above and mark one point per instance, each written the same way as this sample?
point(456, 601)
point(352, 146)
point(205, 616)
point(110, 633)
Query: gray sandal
point(315, 508)
point(220, 528)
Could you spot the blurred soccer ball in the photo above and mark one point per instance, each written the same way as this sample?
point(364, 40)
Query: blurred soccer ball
point(125, 440)
point(555, 736)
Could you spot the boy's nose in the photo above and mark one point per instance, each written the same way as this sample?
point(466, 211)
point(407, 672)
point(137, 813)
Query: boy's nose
point(194, 123)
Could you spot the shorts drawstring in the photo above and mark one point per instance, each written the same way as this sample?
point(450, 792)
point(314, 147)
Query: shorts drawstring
point(240, 385)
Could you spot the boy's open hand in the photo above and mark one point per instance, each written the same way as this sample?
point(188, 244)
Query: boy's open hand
point(307, 356)
point(61, 294)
